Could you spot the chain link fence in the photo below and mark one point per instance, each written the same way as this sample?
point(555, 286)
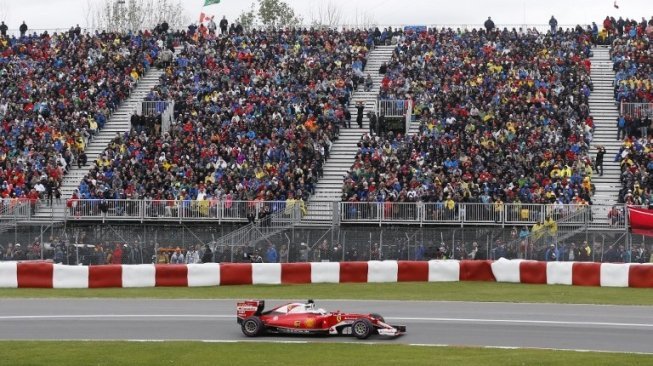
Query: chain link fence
point(96, 244)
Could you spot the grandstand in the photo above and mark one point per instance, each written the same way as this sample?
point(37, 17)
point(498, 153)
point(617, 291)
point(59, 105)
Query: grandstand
point(473, 128)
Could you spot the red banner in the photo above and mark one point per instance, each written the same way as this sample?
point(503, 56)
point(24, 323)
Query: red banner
point(641, 221)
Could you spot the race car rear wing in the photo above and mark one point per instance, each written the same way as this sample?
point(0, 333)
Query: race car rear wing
point(249, 308)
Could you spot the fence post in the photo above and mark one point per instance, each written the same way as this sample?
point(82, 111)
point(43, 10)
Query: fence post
point(626, 218)
point(381, 212)
point(462, 213)
point(409, 114)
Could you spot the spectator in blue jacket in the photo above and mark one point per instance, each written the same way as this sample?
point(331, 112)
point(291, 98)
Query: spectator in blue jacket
point(271, 256)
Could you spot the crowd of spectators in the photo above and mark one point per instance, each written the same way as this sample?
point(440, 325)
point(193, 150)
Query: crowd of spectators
point(503, 116)
point(632, 56)
point(57, 91)
point(61, 252)
point(256, 114)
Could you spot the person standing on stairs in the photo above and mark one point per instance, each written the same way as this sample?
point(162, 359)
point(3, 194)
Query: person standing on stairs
point(644, 122)
point(359, 116)
point(369, 83)
point(372, 117)
point(347, 118)
point(621, 127)
point(599, 160)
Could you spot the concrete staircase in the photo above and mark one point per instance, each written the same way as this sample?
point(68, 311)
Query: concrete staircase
point(344, 149)
point(604, 110)
point(119, 122)
point(413, 128)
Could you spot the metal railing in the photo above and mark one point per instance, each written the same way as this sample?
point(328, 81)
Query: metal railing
point(502, 214)
point(278, 219)
point(393, 107)
point(14, 208)
point(164, 107)
point(636, 110)
point(321, 211)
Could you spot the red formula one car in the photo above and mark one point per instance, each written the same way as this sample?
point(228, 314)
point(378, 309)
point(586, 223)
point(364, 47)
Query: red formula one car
point(305, 318)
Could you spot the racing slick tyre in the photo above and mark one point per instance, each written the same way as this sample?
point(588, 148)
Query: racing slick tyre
point(378, 317)
point(362, 328)
point(252, 326)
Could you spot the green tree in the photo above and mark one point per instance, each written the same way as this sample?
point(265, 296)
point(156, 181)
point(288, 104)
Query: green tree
point(277, 14)
point(247, 19)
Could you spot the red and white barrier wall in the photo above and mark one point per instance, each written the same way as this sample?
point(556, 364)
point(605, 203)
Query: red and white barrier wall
point(48, 275)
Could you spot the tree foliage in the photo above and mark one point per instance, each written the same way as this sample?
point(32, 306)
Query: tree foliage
point(277, 14)
point(247, 19)
point(269, 14)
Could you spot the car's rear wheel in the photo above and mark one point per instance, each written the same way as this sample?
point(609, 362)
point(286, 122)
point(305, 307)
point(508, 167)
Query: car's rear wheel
point(378, 317)
point(362, 328)
point(252, 326)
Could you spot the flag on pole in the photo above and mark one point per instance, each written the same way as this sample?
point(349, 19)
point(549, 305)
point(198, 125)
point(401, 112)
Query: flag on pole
point(615, 4)
point(211, 2)
point(202, 17)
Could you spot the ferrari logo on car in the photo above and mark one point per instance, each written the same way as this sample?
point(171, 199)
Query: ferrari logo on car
point(298, 323)
point(310, 323)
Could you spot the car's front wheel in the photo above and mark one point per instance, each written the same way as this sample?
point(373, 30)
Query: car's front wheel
point(362, 328)
point(252, 326)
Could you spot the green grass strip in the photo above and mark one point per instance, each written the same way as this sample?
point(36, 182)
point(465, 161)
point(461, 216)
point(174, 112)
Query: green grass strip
point(447, 291)
point(71, 353)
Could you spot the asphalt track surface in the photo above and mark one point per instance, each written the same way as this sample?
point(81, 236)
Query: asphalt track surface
point(576, 327)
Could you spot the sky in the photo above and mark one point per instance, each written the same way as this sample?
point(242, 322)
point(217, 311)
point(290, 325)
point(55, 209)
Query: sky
point(58, 14)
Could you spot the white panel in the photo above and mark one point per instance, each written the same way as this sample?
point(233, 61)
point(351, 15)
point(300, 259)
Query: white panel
point(69, 276)
point(559, 273)
point(207, 274)
point(444, 271)
point(8, 275)
point(382, 271)
point(325, 272)
point(266, 273)
point(138, 275)
point(505, 270)
point(614, 274)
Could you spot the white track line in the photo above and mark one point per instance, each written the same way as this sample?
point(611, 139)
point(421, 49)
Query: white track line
point(517, 321)
point(414, 319)
point(367, 342)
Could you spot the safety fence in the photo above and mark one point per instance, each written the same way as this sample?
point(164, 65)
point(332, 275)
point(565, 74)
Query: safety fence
point(380, 213)
point(393, 107)
point(451, 213)
point(86, 243)
point(636, 110)
point(14, 208)
point(165, 108)
point(169, 210)
point(48, 275)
